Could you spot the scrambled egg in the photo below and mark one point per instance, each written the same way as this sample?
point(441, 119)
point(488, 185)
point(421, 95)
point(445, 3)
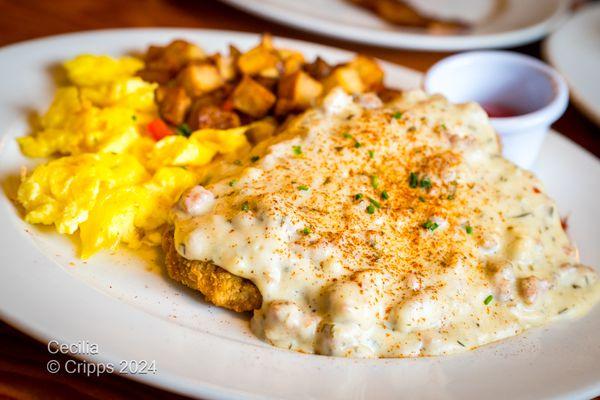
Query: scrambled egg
point(112, 182)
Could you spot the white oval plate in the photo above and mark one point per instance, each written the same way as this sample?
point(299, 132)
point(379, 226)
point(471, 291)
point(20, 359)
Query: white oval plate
point(134, 313)
point(516, 22)
point(574, 50)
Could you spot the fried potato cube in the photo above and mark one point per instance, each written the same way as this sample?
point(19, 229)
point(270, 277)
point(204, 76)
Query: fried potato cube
point(174, 56)
point(259, 60)
point(318, 69)
point(154, 52)
point(292, 61)
point(155, 75)
point(173, 103)
point(186, 50)
point(269, 83)
point(210, 116)
point(345, 77)
point(270, 73)
point(370, 72)
point(266, 41)
point(297, 91)
point(198, 79)
point(252, 98)
point(226, 66)
point(163, 63)
point(263, 60)
point(234, 52)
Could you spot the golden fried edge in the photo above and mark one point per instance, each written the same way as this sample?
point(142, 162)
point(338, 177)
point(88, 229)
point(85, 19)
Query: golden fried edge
point(218, 286)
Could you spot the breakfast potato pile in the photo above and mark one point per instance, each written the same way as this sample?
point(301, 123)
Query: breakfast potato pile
point(262, 86)
point(125, 137)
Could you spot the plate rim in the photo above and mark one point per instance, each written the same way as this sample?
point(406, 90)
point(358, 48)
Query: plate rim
point(593, 113)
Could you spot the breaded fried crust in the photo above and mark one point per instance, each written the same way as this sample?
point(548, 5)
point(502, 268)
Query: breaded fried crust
point(218, 286)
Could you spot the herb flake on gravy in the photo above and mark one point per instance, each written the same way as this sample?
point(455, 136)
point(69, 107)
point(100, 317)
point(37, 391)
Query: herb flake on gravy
point(392, 230)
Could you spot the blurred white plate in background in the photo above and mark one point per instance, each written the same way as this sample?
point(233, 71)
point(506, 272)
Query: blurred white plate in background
point(574, 50)
point(516, 22)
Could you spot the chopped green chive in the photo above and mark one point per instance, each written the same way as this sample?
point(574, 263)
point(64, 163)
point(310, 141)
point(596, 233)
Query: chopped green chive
point(422, 199)
point(254, 158)
point(371, 154)
point(184, 130)
point(302, 187)
point(357, 144)
point(238, 162)
point(444, 126)
point(461, 343)
point(370, 209)
point(527, 214)
point(385, 195)
point(232, 182)
point(397, 115)
point(245, 206)
point(450, 197)
point(134, 117)
point(374, 181)
point(358, 196)
point(306, 230)
point(488, 300)
point(347, 135)
point(469, 229)
point(413, 180)
point(429, 224)
point(425, 183)
point(374, 202)
point(297, 150)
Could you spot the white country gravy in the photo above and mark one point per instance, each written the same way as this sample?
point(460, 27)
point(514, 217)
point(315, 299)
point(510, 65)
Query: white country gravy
point(387, 231)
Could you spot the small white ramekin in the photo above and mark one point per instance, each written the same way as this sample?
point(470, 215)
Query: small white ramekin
point(537, 93)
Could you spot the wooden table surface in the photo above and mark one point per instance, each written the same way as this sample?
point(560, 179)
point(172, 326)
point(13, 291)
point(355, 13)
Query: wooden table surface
point(23, 360)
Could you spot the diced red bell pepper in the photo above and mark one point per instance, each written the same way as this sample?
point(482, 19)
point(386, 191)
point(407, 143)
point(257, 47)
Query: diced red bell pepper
point(227, 105)
point(158, 129)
